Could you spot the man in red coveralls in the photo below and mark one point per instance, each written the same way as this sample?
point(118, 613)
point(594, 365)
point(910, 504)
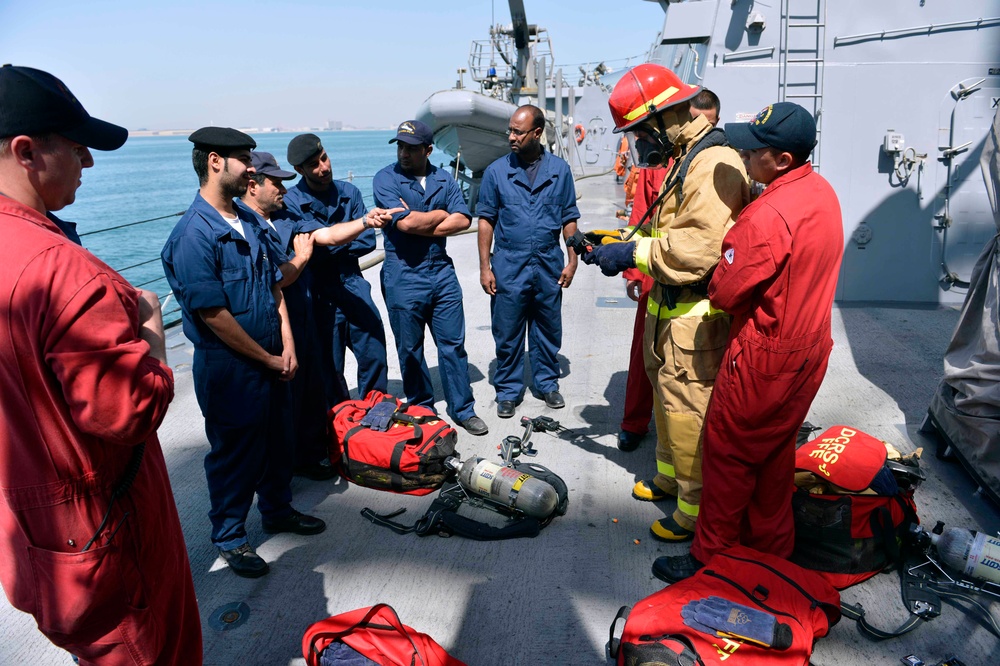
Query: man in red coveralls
point(96, 557)
point(777, 279)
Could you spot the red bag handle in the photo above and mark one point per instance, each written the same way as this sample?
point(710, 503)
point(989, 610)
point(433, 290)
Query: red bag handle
point(394, 623)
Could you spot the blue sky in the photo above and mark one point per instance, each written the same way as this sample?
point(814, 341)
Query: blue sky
point(184, 64)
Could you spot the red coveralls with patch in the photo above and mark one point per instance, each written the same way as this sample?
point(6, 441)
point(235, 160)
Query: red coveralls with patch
point(777, 278)
point(78, 391)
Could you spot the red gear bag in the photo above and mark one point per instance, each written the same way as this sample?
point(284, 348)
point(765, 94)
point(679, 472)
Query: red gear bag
point(406, 458)
point(655, 631)
point(850, 535)
point(377, 633)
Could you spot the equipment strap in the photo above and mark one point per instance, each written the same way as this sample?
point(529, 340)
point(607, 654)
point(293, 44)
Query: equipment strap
point(715, 137)
point(920, 599)
point(857, 613)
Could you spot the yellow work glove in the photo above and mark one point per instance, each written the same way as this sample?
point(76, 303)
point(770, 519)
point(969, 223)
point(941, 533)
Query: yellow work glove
point(607, 236)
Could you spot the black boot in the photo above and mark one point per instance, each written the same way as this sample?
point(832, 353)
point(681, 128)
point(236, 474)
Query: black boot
point(672, 568)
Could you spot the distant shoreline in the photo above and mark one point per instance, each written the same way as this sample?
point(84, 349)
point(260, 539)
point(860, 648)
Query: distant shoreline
point(259, 130)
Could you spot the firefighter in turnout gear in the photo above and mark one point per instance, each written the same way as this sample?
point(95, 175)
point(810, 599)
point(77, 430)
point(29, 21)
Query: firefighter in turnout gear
point(701, 196)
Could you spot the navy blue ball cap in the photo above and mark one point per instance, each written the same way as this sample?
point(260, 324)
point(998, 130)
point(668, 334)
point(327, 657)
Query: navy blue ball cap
point(414, 133)
point(33, 102)
point(782, 125)
point(303, 148)
point(264, 163)
point(221, 139)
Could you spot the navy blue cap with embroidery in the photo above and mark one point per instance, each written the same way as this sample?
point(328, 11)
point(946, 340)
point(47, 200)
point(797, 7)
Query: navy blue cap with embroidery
point(782, 125)
point(33, 102)
point(414, 133)
point(265, 164)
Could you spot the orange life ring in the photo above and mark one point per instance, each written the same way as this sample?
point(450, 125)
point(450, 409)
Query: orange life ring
point(579, 132)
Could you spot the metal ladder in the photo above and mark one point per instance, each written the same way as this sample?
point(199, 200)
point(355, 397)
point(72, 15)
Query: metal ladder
point(805, 22)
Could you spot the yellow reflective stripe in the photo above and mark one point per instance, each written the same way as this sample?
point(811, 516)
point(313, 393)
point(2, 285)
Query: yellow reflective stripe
point(700, 308)
point(644, 107)
point(687, 509)
point(643, 247)
point(666, 469)
point(643, 232)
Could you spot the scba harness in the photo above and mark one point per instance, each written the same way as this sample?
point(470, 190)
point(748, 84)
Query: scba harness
point(456, 512)
point(491, 506)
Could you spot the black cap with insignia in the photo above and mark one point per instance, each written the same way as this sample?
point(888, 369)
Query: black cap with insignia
point(302, 148)
point(34, 102)
point(221, 139)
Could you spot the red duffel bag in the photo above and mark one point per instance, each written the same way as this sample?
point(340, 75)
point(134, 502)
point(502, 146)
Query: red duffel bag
point(655, 630)
point(376, 633)
point(402, 450)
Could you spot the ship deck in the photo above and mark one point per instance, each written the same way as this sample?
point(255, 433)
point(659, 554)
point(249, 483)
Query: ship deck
point(550, 600)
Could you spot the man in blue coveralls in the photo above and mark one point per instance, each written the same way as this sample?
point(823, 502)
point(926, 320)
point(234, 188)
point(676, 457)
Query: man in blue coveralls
point(526, 199)
point(293, 241)
point(345, 314)
point(224, 275)
point(419, 283)
point(306, 428)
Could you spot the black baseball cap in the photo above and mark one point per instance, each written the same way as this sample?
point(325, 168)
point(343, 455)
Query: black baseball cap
point(782, 125)
point(34, 102)
point(265, 164)
point(303, 148)
point(221, 139)
point(414, 133)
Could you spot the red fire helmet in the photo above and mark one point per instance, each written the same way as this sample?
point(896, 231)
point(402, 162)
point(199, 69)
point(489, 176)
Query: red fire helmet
point(644, 90)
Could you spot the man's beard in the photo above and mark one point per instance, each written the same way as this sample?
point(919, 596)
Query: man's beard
point(232, 187)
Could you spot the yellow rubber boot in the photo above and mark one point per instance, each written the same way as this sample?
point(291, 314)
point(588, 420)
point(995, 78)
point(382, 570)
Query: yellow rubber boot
point(647, 491)
point(667, 529)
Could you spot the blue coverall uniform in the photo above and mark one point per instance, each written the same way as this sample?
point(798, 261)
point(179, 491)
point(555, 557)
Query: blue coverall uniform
point(421, 289)
point(346, 315)
point(306, 431)
point(527, 262)
point(209, 264)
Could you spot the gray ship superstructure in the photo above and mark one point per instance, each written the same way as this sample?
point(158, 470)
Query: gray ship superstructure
point(514, 66)
point(903, 94)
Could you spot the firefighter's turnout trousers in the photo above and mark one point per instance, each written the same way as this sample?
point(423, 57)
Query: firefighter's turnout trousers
point(684, 347)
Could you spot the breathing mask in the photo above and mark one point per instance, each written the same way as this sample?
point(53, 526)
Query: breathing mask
point(649, 147)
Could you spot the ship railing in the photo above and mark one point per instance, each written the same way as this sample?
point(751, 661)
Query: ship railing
point(171, 316)
point(371, 262)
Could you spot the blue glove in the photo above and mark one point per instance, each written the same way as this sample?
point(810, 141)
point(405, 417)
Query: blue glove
point(688, 614)
point(613, 258)
point(733, 619)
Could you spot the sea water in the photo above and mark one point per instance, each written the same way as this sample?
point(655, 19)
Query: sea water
point(152, 177)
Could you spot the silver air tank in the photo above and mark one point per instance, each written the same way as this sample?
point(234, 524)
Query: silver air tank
point(508, 487)
point(973, 553)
